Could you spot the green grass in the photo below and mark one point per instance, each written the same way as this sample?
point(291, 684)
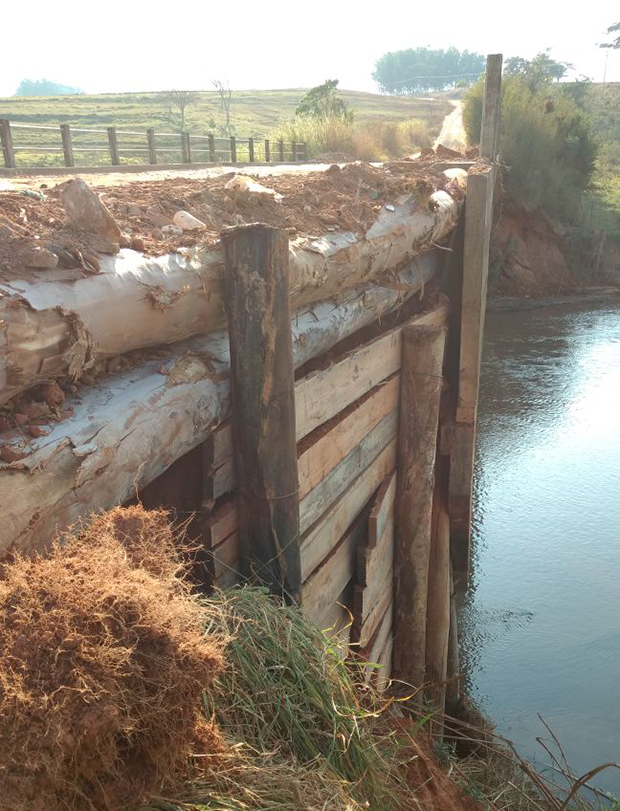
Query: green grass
point(254, 113)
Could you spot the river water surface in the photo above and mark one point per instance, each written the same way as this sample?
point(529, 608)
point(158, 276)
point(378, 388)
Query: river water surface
point(541, 621)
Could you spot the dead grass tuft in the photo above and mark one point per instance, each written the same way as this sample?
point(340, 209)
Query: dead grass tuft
point(104, 662)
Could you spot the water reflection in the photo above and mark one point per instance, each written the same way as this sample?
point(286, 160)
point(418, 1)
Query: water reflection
point(541, 622)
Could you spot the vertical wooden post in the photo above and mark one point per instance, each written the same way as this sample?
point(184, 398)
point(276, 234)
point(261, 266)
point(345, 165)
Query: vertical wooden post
point(251, 150)
point(211, 140)
point(263, 396)
point(438, 611)
point(67, 144)
point(267, 151)
point(489, 133)
point(233, 149)
point(150, 139)
point(294, 151)
point(453, 689)
point(478, 223)
point(420, 392)
point(113, 142)
point(281, 151)
point(186, 148)
point(304, 150)
point(7, 143)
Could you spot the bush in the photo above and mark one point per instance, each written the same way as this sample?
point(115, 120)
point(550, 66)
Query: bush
point(103, 664)
point(372, 140)
point(545, 142)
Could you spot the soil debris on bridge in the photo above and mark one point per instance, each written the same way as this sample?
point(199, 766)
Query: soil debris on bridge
point(344, 198)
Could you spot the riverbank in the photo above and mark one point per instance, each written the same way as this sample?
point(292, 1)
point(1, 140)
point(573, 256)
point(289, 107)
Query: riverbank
point(590, 295)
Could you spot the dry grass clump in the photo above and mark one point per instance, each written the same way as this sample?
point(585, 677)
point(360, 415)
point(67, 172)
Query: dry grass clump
point(104, 659)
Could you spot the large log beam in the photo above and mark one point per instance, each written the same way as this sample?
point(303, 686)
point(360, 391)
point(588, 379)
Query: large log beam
point(128, 430)
point(54, 324)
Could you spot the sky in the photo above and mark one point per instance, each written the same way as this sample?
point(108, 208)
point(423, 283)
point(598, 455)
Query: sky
point(131, 45)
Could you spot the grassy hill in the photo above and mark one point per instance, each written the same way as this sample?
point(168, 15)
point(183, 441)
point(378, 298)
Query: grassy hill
point(254, 113)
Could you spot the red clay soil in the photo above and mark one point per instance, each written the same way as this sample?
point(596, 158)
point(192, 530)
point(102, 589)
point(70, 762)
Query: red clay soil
point(104, 660)
point(339, 199)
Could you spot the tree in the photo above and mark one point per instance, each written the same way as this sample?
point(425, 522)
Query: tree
point(545, 141)
point(225, 94)
point(538, 71)
point(176, 102)
point(422, 69)
point(323, 101)
point(615, 43)
point(45, 87)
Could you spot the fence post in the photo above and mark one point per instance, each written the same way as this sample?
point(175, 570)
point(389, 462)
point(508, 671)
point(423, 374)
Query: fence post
point(113, 142)
point(293, 151)
point(67, 144)
point(420, 393)
point(304, 150)
point(281, 151)
point(211, 141)
point(7, 143)
point(267, 151)
point(150, 139)
point(186, 148)
point(263, 396)
point(233, 149)
point(489, 131)
point(251, 149)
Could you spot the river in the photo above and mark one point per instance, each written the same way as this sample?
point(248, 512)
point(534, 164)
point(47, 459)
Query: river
point(541, 620)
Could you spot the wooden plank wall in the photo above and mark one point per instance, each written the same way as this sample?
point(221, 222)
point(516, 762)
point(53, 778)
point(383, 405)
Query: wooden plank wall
point(347, 428)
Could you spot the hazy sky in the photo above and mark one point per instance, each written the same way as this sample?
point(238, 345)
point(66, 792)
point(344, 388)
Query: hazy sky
point(136, 45)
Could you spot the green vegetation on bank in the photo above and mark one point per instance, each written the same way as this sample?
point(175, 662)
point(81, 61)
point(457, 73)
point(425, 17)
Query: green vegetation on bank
point(545, 141)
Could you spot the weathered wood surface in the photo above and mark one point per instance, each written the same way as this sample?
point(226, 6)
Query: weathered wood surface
point(329, 489)
point(263, 401)
point(323, 588)
point(226, 562)
point(379, 651)
point(491, 108)
point(56, 322)
point(478, 223)
point(420, 392)
point(438, 611)
point(323, 536)
point(128, 430)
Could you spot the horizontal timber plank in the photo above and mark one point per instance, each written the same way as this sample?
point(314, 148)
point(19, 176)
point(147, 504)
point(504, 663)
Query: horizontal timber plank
point(321, 592)
point(323, 394)
point(347, 471)
point(382, 510)
point(226, 562)
point(321, 538)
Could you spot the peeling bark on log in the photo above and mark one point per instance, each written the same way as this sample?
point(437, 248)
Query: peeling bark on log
point(130, 428)
point(55, 324)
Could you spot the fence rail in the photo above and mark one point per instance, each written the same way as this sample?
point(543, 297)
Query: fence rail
point(38, 146)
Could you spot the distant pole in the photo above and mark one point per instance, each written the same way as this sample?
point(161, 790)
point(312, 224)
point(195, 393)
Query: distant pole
point(113, 142)
point(251, 150)
point(150, 139)
point(211, 141)
point(233, 149)
point(186, 149)
point(489, 133)
point(267, 150)
point(281, 151)
point(67, 144)
point(294, 151)
point(7, 143)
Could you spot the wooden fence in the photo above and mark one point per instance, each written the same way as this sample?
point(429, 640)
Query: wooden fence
point(37, 146)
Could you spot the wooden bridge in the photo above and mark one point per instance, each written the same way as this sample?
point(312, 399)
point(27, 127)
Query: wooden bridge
point(327, 453)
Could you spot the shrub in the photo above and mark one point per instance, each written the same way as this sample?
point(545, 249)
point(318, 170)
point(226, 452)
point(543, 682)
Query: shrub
point(546, 143)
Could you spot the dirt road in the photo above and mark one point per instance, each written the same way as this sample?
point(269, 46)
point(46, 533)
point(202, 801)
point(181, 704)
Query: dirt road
point(452, 133)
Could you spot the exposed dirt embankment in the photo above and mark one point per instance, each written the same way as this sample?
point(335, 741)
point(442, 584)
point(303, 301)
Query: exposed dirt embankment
point(533, 257)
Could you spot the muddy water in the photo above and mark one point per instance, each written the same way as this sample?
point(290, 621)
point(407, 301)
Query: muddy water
point(541, 621)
